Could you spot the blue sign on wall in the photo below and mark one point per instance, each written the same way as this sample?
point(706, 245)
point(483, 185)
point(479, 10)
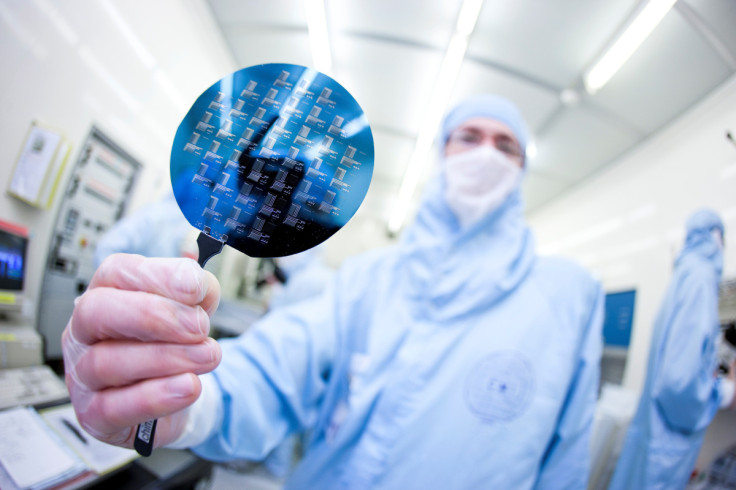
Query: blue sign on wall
point(619, 318)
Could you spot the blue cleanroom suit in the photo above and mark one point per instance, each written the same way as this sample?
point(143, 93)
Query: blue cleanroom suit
point(156, 230)
point(681, 394)
point(458, 359)
point(306, 276)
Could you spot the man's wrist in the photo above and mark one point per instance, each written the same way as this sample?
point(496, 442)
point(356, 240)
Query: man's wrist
point(202, 416)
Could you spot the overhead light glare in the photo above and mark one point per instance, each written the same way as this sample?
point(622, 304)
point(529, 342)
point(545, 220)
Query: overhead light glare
point(318, 38)
point(469, 12)
point(440, 96)
point(626, 44)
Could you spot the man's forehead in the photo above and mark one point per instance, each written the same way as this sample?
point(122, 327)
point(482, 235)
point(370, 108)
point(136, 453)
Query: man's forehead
point(487, 125)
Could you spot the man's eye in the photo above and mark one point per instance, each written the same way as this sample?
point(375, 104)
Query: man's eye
point(509, 148)
point(468, 138)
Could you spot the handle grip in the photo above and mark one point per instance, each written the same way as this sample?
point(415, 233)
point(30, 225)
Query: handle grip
point(144, 434)
point(144, 437)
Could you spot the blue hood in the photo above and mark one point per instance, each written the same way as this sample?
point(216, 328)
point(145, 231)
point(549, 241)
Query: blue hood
point(699, 242)
point(486, 105)
point(460, 271)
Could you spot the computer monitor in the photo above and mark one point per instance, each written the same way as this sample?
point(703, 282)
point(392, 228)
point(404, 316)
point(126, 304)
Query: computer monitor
point(13, 250)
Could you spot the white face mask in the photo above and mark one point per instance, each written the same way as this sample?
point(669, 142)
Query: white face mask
point(478, 181)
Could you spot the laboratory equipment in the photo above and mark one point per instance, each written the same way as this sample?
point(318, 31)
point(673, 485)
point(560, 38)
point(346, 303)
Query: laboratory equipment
point(96, 196)
point(13, 248)
point(20, 344)
point(271, 160)
point(30, 385)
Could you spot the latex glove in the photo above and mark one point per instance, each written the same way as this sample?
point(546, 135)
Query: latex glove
point(136, 341)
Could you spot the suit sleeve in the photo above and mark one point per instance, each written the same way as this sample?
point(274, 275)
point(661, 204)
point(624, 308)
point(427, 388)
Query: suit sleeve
point(272, 379)
point(566, 463)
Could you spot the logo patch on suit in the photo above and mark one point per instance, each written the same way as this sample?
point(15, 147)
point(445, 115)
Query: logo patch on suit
point(500, 386)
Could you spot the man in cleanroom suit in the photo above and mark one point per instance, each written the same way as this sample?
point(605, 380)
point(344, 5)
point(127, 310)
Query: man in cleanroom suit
point(456, 359)
point(682, 393)
point(156, 230)
point(306, 275)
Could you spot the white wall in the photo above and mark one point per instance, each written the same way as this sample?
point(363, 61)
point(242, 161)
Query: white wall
point(627, 223)
point(131, 67)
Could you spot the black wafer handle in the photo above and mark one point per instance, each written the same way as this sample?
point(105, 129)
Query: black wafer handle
point(144, 434)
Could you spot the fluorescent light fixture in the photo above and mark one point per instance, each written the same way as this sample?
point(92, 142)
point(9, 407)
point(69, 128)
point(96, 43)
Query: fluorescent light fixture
point(626, 44)
point(440, 96)
point(318, 39)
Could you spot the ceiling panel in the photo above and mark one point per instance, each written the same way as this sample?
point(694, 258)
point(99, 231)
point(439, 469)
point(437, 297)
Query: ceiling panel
point(412, 21)
point(258, 46)
point(391, 82)
point(259, 13)
point(673, 68)
point(579, 141)
point(535, 103)
point(550, 41)
point(720, 17)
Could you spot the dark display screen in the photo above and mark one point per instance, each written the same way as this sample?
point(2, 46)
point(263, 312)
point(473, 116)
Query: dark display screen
point(12, 260)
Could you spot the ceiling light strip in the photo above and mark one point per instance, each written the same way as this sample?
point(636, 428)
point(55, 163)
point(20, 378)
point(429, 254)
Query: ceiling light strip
point(440, 97)
point(626, 44)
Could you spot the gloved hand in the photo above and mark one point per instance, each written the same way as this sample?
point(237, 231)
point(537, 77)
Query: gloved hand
point(136, 341)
